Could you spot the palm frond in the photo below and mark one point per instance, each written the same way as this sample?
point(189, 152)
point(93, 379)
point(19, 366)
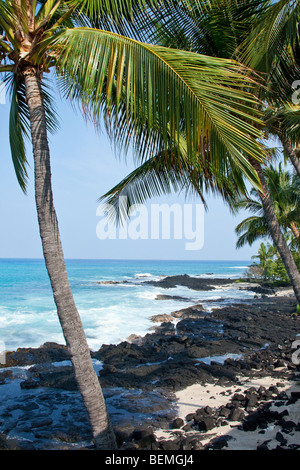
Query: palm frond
point(18, 131)
point(153, 178)
point(163, 174)
point(19, 126)
point(52, 119)
point(8, 22)
point(252, 205)
point(284, 190)
point(153, 95)
point(126, 17)
point(289, 118)
point(250, 230)
point(273, 44)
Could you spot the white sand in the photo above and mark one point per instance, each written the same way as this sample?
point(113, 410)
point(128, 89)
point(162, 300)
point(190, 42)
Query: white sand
point(197, 396)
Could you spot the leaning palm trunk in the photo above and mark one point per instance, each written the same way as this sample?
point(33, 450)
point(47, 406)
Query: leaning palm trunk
point(293, 154)
point(86, 377)
point(277, 235)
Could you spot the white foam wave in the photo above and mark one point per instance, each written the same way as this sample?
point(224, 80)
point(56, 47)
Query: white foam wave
point(239, 267)
point(147, 295)
point(218, 359)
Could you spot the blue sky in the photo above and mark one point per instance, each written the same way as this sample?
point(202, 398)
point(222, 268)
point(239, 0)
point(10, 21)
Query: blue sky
point(83, 168)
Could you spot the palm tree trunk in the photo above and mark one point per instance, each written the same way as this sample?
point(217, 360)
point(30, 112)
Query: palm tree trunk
point(276, 233)
point(70, 321)
point(292, 153)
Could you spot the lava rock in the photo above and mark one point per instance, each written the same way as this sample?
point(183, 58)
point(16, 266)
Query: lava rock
point(144, 437)
point(177, 423)
point(206, 423)
point(237, 414)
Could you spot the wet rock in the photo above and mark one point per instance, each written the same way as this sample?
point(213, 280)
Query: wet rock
point(171, 297)
point(144, 438)
point(287, 426)
point(48, 352)
point(30, 383)
point(194, 283)
point(56, 377)
point(5, 375)
point(164, 318)
point(123, 432)
point(41, 422)
point(196, 311)
point(108, 282)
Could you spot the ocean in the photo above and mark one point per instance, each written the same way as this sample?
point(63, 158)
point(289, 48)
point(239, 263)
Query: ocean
point(110, 312)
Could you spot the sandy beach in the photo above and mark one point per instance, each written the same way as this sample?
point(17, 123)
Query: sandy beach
point(200, 396)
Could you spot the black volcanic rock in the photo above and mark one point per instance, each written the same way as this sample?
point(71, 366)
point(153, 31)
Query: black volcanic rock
point(193, 283)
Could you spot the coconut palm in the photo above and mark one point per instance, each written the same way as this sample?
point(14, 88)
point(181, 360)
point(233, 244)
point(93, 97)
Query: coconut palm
point(273, 48)
point(264, 254)
point(223, 28)
point(147, 96)
point(284, 189)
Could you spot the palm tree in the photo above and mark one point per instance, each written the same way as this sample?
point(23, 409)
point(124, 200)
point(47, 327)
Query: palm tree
point(284, 189)
point(265, 253)
point(223, 28)
point(147, 96)
point(272, 47)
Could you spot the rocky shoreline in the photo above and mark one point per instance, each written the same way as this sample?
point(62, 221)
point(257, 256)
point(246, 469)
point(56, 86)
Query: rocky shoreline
point(223, 352)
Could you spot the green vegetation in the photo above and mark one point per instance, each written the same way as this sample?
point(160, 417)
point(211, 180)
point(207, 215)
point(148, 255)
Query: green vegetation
point(284, 190)
point(270, 269)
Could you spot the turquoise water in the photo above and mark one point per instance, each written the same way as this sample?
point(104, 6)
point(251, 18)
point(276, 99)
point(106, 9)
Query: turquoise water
point(110, 313)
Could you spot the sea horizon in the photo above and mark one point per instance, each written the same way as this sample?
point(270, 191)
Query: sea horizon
point(130, 259)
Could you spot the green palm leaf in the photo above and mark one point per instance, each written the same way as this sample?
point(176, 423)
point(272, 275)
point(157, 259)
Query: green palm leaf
point(286, 120)
point(19, 126)
point(171, 172)
point(276, 28)
point(284, 192)
point(273, 47)
point(18, 131)
point(126, 17)
point(250, 230)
